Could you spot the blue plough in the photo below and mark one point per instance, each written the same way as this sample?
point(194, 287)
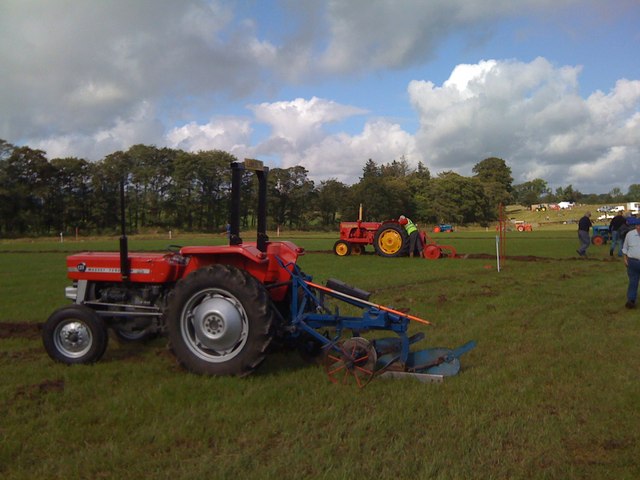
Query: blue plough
point(356, 359)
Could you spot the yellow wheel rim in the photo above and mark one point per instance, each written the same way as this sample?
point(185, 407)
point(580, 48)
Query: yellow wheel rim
point(390, 242)
point(342, 249)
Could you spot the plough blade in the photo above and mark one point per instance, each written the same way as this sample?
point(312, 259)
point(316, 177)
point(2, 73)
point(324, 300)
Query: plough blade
point(438, 361)
point(429, 365)
point(421, 377)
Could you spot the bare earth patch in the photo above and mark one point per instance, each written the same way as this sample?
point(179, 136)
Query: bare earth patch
point(20, 330)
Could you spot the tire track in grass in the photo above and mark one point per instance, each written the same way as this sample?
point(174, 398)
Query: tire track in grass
point(26, 330)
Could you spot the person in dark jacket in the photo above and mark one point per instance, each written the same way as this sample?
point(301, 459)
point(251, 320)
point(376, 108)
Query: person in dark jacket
point(614, 229)
point(584, 226)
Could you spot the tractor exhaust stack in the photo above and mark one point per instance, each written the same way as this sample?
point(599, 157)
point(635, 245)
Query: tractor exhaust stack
point(234, 216)
point(125, 269)
point(261, 171)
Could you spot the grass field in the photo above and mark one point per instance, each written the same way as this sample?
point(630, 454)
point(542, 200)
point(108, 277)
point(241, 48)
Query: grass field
point(551, 391)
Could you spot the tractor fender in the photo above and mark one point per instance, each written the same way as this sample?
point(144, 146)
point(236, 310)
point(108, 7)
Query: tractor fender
point(264, 266)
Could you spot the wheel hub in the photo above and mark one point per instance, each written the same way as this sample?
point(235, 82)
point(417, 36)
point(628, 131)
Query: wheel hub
point(218, 324)
point(390, 242)
point(73, 338)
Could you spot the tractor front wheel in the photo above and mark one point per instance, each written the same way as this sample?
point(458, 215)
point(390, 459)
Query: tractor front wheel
point(219, 321)
point(598, 240)
point(75, 334)
point(342, 248)
point(391, 240)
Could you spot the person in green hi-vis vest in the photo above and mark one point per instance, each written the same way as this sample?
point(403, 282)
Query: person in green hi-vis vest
point(414, 238)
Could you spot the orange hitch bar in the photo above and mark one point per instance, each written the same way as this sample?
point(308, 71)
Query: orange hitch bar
point(379, 307)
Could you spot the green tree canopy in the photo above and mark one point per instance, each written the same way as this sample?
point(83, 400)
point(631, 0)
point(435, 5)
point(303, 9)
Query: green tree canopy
point(496, 178)
point(383, 191)
point(531, 192)
point(26, 180)
point(458, 199)
point(173, 189)
point(332, 196)
point(633, 193)
point(291, 196)
point(71, 195)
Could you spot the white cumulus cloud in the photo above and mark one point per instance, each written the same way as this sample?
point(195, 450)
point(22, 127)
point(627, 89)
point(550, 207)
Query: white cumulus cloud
point(87, 77)
point(531, 115)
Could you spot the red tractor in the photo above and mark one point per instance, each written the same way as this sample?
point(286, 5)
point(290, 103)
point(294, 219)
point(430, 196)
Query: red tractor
point(389, 239)
point(222, 306)
point(213, 302)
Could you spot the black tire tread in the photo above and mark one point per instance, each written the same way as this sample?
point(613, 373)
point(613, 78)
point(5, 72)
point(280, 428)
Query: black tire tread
point(256, 303)
point(404, 249)
point(91, 319)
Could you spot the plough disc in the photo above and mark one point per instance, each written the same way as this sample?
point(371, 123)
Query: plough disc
point(434, 251)
point(351, 361)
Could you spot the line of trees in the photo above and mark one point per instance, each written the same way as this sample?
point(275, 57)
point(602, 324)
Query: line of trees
point(172, 189)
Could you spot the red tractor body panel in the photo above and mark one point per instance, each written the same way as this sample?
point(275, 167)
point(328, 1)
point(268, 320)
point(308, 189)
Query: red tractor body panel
point(359, 232)
point(105, 267)
point(263, 266)
point(170, 267)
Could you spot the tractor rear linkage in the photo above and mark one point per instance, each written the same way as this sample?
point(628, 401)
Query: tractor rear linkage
point(357, 359)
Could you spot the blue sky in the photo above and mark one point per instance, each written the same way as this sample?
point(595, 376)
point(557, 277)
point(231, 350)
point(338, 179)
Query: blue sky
point(552, 87)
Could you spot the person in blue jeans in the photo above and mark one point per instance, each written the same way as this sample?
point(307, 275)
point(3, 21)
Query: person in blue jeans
point(614, 229)
point(631, 252)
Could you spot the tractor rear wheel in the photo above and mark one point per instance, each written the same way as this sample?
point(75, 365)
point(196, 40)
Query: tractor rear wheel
point(75, 334)
point(219, 321)
point(391, 240)
point(357, 249)
point(125, 335)
point(342, 248)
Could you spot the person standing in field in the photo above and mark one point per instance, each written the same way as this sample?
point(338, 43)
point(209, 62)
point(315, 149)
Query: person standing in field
point(614, 230)
point(631, 253)
point(584, 226)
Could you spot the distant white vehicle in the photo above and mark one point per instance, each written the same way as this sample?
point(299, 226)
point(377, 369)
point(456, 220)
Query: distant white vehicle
point(619, 208)
point(633, 207)
point(566, 205)
point(606, 216)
